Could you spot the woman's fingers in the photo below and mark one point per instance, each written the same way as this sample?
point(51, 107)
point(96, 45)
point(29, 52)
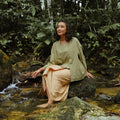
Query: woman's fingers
point(89, 75)
point(34, 74)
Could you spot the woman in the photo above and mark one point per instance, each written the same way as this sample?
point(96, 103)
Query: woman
point(67, 64)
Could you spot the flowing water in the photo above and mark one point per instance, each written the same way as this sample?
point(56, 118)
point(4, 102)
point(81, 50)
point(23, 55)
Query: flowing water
point(20, 103)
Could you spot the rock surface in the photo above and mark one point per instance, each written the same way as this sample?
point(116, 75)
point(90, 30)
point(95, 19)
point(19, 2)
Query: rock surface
point(102, 118)
point(83, 88)
point(72, 109)
point(22, 106)
point(5, 70)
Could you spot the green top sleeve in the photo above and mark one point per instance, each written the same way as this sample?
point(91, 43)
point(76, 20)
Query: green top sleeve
point(81, 55)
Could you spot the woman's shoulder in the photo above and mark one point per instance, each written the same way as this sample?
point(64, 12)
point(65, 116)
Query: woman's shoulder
point(55, 43)
point(74, 39)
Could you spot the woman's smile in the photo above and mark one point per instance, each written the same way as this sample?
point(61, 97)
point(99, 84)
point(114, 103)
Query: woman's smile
point(61, 29)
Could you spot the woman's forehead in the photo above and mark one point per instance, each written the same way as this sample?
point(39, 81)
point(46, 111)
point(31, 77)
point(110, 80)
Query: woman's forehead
point(61, 23)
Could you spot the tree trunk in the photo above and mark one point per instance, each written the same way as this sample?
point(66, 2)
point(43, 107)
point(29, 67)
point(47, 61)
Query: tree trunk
point(50, 13)
point(42, 4)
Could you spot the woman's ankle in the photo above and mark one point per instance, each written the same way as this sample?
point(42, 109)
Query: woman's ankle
point(50, 101)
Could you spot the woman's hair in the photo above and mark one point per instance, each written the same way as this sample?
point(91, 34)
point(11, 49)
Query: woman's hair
point(69, 33)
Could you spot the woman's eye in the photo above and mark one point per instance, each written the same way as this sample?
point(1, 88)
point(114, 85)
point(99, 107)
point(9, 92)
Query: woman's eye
point(58, 27)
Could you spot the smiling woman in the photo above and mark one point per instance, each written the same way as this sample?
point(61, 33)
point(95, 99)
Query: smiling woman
point(61, 29)
point(66, 65)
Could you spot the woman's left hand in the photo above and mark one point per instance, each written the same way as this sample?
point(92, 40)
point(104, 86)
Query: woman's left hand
point(89, 75)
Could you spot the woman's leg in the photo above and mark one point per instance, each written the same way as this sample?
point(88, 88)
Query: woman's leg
point(49, 100)
point(56, 85)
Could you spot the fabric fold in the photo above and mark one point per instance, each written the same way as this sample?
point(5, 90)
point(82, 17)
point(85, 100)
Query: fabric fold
point(57, 80)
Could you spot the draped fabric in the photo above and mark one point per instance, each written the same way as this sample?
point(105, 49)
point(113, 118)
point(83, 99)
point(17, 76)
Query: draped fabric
point(57, 80)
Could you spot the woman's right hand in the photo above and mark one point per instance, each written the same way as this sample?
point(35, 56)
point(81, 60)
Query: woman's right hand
point(37, 72)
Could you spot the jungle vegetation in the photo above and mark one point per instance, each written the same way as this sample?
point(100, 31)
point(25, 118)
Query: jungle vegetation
point(27, 28)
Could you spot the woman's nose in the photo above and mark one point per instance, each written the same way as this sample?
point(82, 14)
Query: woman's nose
point(59, 28)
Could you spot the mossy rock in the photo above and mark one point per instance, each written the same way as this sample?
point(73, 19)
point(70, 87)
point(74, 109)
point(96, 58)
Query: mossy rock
point(83, 88)
point(5, 70)
point(71, 109)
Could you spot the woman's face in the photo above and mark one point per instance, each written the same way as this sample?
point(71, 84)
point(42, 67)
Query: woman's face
point(61, 29)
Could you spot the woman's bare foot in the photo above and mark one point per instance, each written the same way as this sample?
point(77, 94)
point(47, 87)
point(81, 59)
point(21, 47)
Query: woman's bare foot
point(49, 103)
point(44, 105)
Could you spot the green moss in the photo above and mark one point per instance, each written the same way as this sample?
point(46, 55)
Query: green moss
point(68, 114)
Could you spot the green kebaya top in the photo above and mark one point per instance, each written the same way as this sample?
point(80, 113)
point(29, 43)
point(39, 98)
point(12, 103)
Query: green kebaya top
point(69, 55)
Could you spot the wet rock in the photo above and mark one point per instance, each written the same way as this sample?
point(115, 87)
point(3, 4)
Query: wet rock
point(71, 109)
point(5, 71)
point(8, 104)
point(84, 88)
point(117, 98)
point(29, 92)
point(20, 104)
point(102, 97)
point(22, 71)
point(12, 91)
point(115, 82)
point(102, 118)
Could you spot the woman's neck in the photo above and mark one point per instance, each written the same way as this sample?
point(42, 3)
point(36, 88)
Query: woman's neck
point(62, 38)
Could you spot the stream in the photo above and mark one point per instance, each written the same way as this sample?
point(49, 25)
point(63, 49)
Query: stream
point(20, 103)
point(17, 103)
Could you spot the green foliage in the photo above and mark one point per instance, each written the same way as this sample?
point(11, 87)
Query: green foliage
point(100, 35)
point(23, 25)
point(27, 27)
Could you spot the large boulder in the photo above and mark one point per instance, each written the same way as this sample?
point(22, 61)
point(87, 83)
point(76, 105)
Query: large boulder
point(74, 109)
point(5, 70)
point(83, 88)
point(71, 109)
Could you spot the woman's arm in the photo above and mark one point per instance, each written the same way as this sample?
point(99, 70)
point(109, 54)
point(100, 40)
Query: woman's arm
point(35, 74)
point(89, 75)
point(51, 62)
point(81, 55)
point(82, 58)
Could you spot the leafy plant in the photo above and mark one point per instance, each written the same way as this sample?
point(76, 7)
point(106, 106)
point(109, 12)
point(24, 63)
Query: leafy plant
point(27, 27)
